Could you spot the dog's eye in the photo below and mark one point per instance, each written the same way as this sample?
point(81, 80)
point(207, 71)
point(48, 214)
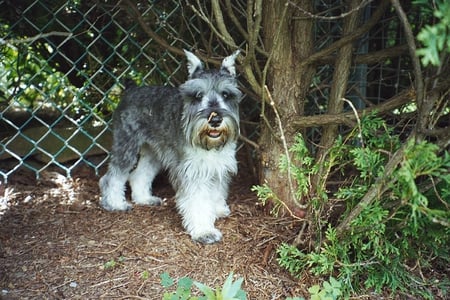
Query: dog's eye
point(227, 95)
point(198, 96)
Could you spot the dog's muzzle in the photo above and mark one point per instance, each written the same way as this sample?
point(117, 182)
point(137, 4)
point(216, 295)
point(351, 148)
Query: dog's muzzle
point(213, 129)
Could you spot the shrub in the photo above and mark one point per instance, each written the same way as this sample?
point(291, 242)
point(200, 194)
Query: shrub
point(395, 237)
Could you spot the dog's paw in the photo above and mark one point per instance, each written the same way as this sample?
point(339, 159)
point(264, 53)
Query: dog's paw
point(209, 237)
point(115, 205)
point(151, 201)
point(222, 211)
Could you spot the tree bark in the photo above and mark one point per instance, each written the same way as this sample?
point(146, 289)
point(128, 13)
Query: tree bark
point(289, 40)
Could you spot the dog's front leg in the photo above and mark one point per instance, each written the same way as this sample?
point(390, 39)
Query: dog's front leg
point(196, 203)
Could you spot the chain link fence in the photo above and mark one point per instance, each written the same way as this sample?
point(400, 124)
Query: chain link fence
point(61, 71)
point(62, 64)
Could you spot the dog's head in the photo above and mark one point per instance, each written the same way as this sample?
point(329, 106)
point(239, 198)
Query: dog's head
point(211, 103)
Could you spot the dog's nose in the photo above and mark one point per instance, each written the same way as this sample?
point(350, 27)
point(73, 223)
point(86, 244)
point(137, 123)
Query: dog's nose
point(214, 119)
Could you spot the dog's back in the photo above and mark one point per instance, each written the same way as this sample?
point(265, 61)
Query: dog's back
point(149, 107)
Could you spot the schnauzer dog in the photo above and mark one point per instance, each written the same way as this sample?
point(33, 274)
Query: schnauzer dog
point(190, 131)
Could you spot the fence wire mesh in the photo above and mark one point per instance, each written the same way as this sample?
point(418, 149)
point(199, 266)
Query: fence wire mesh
point(61, 72)
point(62, 64)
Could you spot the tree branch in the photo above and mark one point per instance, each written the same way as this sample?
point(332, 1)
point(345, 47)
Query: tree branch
point(349, 38)
point(370, 58)
point(424, 107)
point(378, 188)
point(343, 15)
point(226, 36)
point(349, 118)
point(137, 15)
point(412, 52)
point(35, 38)
point(222, 33)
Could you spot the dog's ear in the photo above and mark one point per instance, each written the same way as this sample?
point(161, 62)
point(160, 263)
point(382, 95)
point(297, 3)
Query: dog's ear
point(228, 63)
point(194, 64)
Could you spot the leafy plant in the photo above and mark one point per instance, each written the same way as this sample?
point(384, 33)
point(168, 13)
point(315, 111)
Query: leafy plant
point(231, 290)
point(30, 79)
point(112, 263)
point(434, 37)
point(145, 275)
point(406, 226)
point(330, 290)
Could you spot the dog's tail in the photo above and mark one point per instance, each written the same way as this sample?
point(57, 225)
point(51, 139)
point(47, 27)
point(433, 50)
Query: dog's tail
point(129, 83)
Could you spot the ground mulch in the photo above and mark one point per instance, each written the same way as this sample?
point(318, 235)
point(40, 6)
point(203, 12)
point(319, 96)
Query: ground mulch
point(57, 243)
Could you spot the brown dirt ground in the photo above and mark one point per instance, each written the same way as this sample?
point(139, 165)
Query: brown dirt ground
point(56, 242)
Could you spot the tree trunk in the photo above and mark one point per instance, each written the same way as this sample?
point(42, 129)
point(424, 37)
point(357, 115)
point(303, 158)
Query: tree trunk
point(288, 38)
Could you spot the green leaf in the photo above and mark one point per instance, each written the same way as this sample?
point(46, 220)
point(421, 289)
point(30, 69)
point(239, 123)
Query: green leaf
point(185, 283)
point(335, 283)
point(314, 290)
point(230, 288)
point(145, 275)
point(166, 280)
point(209, 292)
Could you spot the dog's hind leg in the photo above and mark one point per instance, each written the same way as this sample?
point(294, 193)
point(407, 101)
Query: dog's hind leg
point(142, 177)
point(112, 185)
point(222, 208)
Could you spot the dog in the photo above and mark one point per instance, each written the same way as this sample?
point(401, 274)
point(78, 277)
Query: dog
point(191, 132)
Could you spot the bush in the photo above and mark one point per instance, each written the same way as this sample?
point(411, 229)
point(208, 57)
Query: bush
point(395, 238)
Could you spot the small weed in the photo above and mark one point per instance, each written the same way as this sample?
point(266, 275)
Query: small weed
point(229, 291)
point(112, 263)
point(145, 275)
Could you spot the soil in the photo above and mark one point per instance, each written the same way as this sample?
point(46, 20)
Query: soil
point(57, 243)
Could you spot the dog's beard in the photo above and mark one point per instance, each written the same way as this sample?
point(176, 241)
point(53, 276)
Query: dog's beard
point(201, 134)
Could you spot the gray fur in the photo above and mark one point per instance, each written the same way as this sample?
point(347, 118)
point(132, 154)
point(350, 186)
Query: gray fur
point(190, 131)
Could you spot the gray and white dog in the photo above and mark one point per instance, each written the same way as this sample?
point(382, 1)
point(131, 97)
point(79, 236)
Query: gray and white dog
point(190, 131)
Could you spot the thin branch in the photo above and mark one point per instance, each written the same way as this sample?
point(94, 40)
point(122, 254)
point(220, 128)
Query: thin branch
point(412, 52)
point(285, 147)
point(253, 26)
point(348, 118)
point(249, 141)
point(199, 12)
point(34, 38)
point(355, 113)
point(246, 68)
point(374, 57)
point(349, 38)
point(378, 188)
point(422, 110)
point(343, 15)
point(227, 38)
point(234, 19)
point(137, 15)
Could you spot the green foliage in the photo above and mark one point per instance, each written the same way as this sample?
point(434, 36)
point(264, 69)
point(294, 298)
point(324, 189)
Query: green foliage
point(330, 290)
point(231, 290)
point(265, 194)
point(145, 275)
point(27, 76)
point(435, 37)
point(405, 227)
point(29, 80)
point(112, 263)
